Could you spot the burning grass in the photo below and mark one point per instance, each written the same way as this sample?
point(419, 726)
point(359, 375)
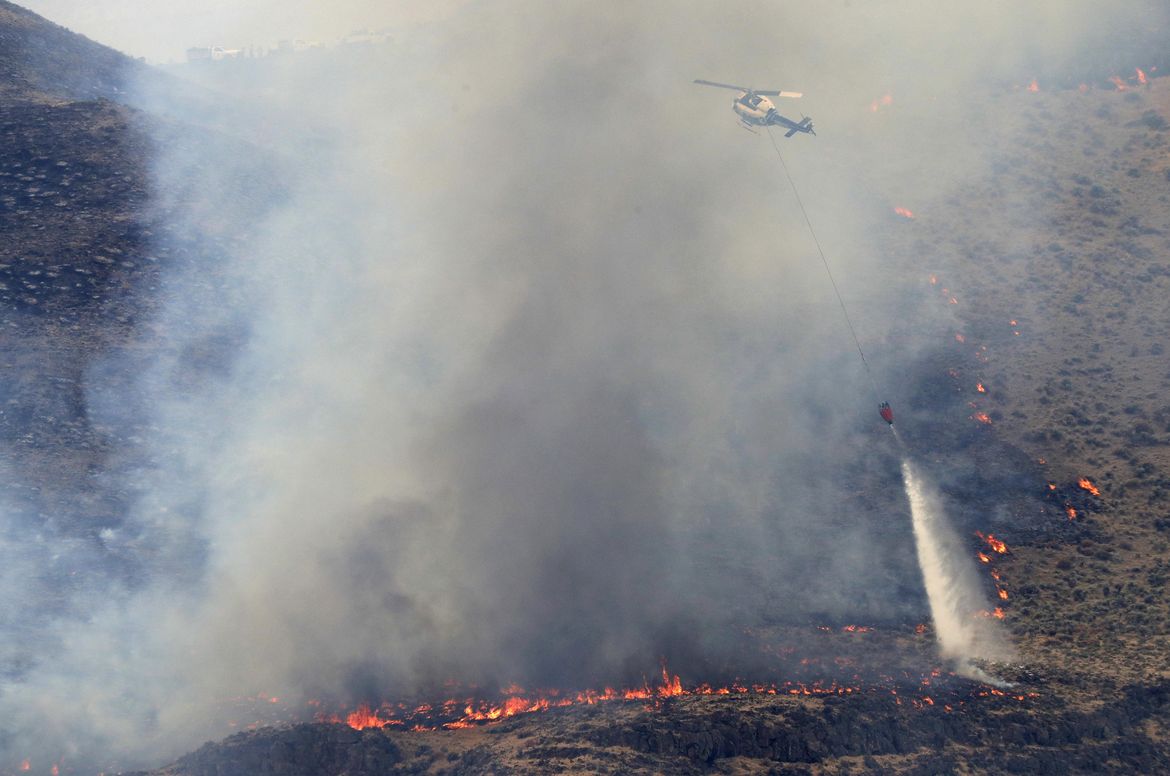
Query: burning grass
point(928, 689)
point(930, 721)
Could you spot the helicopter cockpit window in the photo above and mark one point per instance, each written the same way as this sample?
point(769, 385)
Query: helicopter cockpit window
point(754, 100)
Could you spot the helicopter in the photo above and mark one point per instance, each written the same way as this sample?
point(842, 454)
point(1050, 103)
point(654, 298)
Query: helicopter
point(755, 109)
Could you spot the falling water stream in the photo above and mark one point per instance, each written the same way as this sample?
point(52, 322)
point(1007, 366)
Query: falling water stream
point(957, 604)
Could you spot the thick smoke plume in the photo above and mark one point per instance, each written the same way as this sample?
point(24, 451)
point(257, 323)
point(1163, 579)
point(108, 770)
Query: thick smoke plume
point(499, 353)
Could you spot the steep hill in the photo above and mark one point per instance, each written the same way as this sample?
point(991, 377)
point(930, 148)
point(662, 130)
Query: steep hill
point(1057, 373)
point(74, 194)
point(43, 62)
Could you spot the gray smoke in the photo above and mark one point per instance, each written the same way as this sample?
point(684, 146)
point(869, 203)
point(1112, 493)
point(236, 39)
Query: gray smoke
point(499, 353)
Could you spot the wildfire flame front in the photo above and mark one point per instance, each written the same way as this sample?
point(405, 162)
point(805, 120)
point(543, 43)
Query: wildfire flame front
point(992, 542)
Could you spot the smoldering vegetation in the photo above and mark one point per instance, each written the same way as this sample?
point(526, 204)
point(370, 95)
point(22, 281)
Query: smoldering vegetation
point(499, 354)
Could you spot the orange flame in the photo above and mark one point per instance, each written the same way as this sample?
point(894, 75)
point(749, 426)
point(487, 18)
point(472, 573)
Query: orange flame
point(1034, 86)
point(1003, 594)
point(1083, 88)
point(983, 558)
point(671, 687)
point(458, 714)
point(1072, 513)
point(998, 613)
point(960, 338)
point(885, 101)
point(363, 718)
point(474, 712)
point(25, 765)
point(1116, 81)
point(982, 417)
point(905, 213)
point(979, 387)
point(1052, 486)
point(1086, 484)
point(1141, 77)
point(933, 280)
point(992, 542)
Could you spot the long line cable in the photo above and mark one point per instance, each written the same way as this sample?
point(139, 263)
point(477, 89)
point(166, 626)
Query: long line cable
point(825, 261)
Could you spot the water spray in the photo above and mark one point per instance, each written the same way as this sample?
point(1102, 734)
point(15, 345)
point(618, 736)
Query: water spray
point(957, 605)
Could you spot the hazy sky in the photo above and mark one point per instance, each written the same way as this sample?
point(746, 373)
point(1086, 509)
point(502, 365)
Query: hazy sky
point(162, 30)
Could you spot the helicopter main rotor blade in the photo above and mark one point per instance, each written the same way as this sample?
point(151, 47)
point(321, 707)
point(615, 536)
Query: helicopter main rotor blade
point(779, 94)
point(722, 86)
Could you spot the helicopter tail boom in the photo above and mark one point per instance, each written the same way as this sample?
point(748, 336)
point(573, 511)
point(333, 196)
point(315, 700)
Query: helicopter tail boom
point(805, 125)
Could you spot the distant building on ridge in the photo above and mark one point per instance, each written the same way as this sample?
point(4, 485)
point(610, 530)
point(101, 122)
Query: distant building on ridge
point(212, 54)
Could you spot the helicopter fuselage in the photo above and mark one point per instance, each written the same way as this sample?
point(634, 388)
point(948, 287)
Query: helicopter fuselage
point(753, 109)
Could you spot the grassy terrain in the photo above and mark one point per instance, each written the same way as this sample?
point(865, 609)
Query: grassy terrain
point(1068, 238)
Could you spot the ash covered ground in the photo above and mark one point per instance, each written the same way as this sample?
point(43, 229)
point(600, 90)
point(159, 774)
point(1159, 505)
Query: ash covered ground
point(326, 391)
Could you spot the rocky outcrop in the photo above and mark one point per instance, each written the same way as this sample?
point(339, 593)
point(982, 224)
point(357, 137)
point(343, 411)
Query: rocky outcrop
point(300, 750)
